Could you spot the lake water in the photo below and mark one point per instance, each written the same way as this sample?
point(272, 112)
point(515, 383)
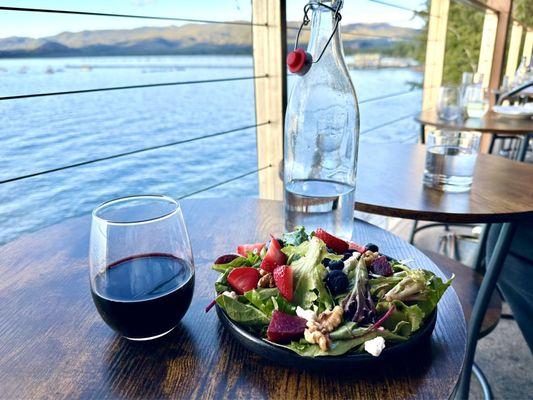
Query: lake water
point(43, 133)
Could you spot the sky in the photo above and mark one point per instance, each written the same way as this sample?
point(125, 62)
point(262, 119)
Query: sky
point(33, 24)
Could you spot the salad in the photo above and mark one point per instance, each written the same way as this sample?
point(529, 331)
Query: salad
point(319, 295)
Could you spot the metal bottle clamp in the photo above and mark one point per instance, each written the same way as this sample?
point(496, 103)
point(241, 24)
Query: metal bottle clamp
point(299, 61)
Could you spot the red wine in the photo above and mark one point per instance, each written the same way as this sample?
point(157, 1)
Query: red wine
point(144, 296)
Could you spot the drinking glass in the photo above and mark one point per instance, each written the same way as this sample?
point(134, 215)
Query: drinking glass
point(450, 160)
point(141, 265)
point(467, 78)
point(476, 98)
point(448, 105)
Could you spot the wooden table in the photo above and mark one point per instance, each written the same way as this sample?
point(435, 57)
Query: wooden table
point(489, 123)
point(389, 182)
point(55, 345)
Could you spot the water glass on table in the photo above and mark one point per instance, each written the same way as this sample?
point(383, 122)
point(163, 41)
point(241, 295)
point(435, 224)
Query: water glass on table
point(141, 265)
point(448, 104)
point(476, 98)
point(450, 160)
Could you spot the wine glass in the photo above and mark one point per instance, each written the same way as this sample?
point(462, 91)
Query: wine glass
point(141, 265)
point(448, 105)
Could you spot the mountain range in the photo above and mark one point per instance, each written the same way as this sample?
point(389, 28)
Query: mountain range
point(184, 39)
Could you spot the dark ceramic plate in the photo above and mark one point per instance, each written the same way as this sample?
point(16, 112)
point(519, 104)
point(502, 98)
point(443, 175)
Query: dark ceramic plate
point(279, 355)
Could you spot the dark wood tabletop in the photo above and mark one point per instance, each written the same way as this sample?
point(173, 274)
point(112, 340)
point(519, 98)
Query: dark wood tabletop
point(389, 182)
point(489, 123)
point(55, 345)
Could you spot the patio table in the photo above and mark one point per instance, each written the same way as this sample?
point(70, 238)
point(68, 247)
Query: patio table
point(55, 345)
point(490, 123)
point(390, 183)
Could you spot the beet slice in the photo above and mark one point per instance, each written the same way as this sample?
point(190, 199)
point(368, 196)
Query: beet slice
point(284, 327)
point(226, 258)
point(380, 266)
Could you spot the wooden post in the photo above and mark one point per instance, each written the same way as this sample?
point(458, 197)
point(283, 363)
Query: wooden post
point(503, 18)
point(492, 50)
point(435, 47)
point(528, 45)
point(269, 46)
point(488, 42)
point(514, 50)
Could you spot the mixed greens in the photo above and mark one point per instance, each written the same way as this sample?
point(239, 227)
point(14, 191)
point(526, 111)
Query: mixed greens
point(319, 295)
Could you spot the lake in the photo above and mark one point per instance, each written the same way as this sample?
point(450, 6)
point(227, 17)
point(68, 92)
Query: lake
point(48, 132)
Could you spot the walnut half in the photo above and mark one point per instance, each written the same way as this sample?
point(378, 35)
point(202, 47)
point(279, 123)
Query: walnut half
point(317, 331)
point(267, 281)
point(317, 337)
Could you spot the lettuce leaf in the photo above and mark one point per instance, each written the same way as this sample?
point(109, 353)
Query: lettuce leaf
point(358, 305)
point(221, 284)
point(296, 237)
point(435, 288)
point(404, 320)
point(269, 299)
point(245, 314)
point(381, 285)
point(310, 291)
point(341, 343)
point(249, 261)
point(351, 330)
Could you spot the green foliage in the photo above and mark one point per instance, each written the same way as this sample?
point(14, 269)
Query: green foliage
point(463, 40)
point(523, 11)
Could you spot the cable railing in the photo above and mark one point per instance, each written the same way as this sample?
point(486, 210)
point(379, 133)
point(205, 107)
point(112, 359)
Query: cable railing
point(148, 85)
point(393, 5)
point(388, 96)
point(131, 152)
point(383, 125)
point(99, 14)
point(364, 35)
point(232, 179)
point(189, 82)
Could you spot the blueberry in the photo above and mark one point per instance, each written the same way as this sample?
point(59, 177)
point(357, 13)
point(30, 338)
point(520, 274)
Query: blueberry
point(336, 265)
point(337, 282)
point(330, 250)
point(372, 247)
point(347, 255)
point(325, 262)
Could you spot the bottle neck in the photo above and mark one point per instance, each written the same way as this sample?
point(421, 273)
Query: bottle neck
point(322, 26)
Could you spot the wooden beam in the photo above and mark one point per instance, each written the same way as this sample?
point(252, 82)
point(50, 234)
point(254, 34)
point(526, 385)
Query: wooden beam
point(492, 51)
point(269, 46)
point(435, 48)
point(488, 41)
point(528, 45)
point(513, 52)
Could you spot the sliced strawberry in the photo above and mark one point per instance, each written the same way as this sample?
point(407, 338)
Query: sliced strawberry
point(333, 242)
point(283, 280)
point(243, 279)
point(284, 327)
point(256, 248)
point(356, 247)
point(274, 256)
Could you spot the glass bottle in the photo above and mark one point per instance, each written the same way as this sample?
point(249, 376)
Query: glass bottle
point(520, 75)
point(322, 135)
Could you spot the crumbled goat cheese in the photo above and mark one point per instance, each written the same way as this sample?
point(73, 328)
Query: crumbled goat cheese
point(375, 346)
point(351, 262)
point(232, 294)
point(308, 315)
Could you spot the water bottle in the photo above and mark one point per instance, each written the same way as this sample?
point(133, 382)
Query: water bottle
point(321, 130)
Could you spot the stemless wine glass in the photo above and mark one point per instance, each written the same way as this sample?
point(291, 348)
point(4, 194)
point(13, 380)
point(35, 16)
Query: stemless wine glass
point(141, 265)
point(448, 105)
